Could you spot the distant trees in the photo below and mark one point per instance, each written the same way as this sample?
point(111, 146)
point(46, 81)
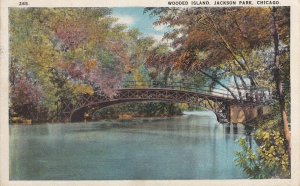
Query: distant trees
point(141, 109)
point(160, 61)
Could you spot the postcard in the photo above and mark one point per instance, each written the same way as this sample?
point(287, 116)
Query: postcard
point(169, 92)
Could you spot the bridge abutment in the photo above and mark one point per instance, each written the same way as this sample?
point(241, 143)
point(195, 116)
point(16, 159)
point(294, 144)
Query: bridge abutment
point(244, 114)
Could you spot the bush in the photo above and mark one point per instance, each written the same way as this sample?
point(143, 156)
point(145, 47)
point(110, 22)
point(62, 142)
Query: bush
point(271, 158)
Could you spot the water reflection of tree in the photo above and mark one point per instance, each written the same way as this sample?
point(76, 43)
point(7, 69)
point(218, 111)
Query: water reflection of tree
point(248, 132)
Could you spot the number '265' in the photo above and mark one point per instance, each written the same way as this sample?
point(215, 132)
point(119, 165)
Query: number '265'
point(23, 3)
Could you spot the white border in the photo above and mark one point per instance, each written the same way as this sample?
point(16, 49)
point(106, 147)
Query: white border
point(4, 127)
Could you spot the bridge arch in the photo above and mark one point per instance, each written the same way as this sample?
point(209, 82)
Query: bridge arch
point(77, 114)
point(219, 105)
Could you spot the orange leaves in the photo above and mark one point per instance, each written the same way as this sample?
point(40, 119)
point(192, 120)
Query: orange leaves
point(198, 38)
point(90, 65)
point(184, 61)
point(218, 34)
point(63, 64)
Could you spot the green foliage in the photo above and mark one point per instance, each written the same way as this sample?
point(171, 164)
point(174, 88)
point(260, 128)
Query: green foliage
point(138, 110)
point(248, 160)
point(71, 51)
point(270, 160)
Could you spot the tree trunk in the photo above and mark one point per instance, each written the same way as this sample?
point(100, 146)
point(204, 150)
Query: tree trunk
point(243, 82)
point(278, 80)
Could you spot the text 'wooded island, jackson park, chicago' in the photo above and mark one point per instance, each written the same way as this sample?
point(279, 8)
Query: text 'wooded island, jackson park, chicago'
point(223, 3)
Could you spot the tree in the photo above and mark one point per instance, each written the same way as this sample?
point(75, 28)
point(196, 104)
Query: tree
point(277, 71)
point(217, 37)
point(160, 59)
point(73, 51)
point(271, 159)
point(67, 51)
point(25, 96)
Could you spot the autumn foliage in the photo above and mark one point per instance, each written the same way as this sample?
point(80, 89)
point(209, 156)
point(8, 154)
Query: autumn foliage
point(59, 53)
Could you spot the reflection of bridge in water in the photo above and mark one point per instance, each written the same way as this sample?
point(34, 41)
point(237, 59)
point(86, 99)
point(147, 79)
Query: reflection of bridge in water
point(220, 101)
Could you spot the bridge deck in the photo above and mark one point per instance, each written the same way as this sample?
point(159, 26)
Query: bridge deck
point(260, 94)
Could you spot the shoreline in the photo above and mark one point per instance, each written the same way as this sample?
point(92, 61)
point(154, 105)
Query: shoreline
point(134, 118)
point(137, 118)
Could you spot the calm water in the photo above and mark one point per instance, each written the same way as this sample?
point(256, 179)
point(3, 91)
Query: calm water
point(185, 147)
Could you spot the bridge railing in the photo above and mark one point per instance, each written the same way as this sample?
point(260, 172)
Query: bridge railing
point(255, 95)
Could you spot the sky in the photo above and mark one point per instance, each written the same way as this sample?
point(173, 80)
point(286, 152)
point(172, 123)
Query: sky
point(135, 17)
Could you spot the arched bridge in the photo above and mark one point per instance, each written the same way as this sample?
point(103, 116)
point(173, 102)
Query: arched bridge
point(217, 100)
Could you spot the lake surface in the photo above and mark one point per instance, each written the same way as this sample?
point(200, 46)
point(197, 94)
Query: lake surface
point(192, 146)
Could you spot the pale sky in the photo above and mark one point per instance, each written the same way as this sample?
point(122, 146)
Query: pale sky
point(134, 17)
